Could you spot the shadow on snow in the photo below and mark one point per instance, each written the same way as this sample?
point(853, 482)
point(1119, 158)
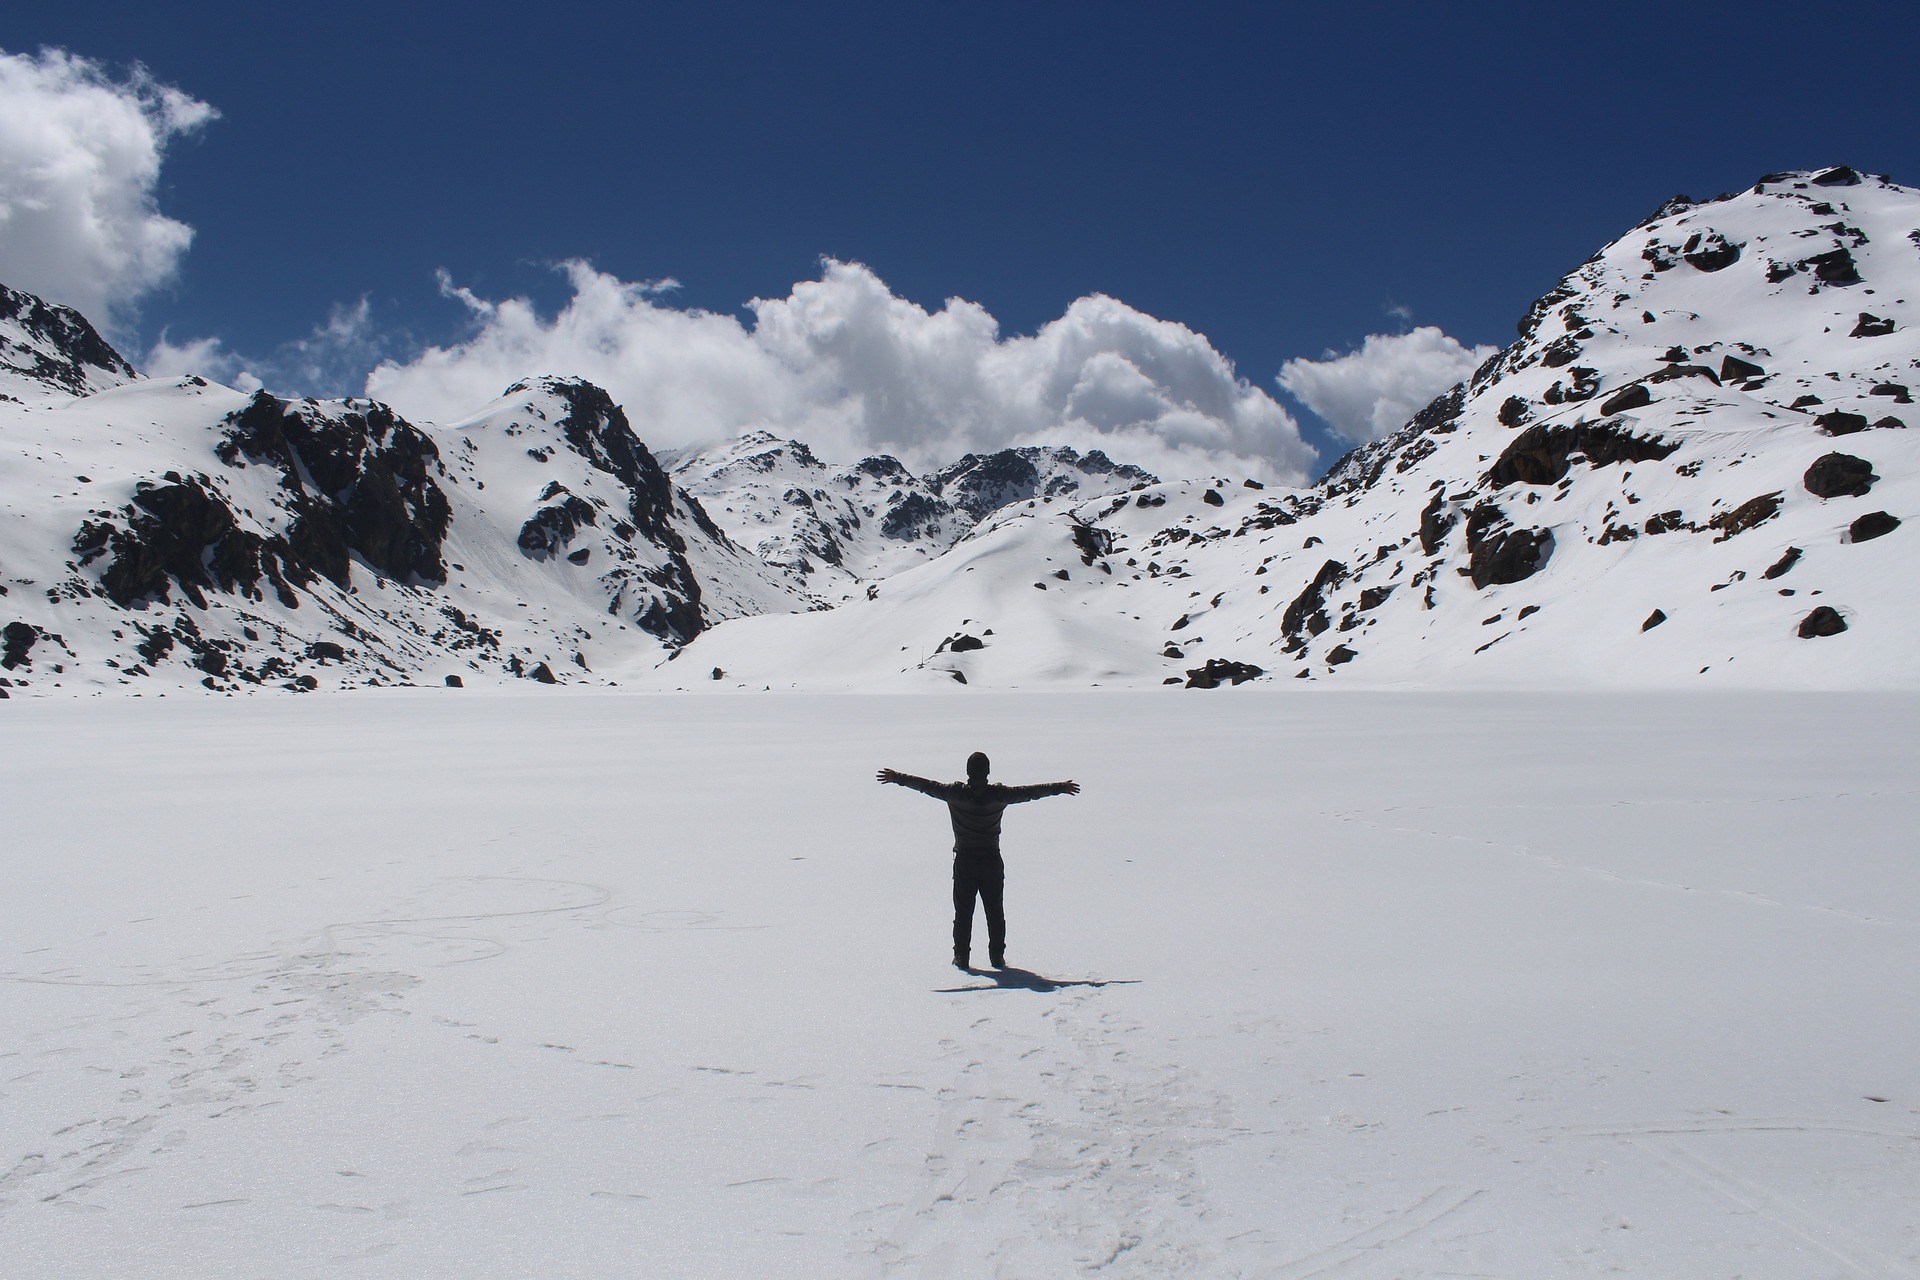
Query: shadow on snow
point(1026, 980)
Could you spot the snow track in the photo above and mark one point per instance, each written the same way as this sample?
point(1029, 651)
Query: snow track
point(1326, 985)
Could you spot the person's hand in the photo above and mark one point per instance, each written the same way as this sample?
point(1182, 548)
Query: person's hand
point(1070, 787)
point(886, 775)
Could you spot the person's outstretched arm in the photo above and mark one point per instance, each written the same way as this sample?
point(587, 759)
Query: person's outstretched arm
point(925, 786)
point(1041, 790)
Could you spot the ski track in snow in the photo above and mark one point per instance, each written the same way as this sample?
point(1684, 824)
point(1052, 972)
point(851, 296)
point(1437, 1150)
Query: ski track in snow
point(1023, 1123)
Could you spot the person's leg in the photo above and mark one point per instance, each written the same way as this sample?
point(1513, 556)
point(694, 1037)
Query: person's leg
point(964, 889)
point(992, 897)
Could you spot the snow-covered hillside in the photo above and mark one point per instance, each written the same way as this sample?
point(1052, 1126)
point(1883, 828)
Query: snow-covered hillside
point(172, 533)
point(1695, 466)
point(833, 529)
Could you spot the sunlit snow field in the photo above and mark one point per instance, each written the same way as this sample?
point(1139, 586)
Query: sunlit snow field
point(442, 984)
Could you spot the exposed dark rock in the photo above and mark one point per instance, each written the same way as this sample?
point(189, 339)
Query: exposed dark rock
point(16, 640)
point(1823, 621)
point(1872, 525)
point(1339, 655)
point(1838, 176)
point(1734, 369)
point(1897, 390)
point(551, 527)
point(1889, 423)
point(1539, 455)
point(1513, 411)
point(1654, 619)
point(1636, 396)
point(1787, 560)
point(1671, 372)
point(360, 480)
point(68, 347)
point(1093, 542)
point(1838, 475)
point(1870, 326)
point(1835, 267)
point(454, 682)
point(1439, 414)
point(966, 644)
point(1752, 512)
point(912, 516)
point(1500, 553)
point(1710, 251)
point(1213, 499)
point(1374, 597)
point(181, 533)
point(1307, 615)
point(1838, 422)
point(579, 557)
point(1561, 351)
point(542, 673)
point(1218, 670)
point(1434, 522)
point(326, 651)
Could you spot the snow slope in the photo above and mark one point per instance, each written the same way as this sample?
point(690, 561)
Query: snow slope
point(1627, 496)
point(833, 529)
point(1696, 467)
point(1345, 984)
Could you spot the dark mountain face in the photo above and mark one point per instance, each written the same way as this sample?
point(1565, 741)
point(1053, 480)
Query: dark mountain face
point(56, 346)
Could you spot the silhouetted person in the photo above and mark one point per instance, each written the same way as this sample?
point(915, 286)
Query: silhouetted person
point(975, 807)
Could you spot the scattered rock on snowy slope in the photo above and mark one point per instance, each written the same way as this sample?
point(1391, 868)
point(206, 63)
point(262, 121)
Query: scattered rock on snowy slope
point(1836, 475)
point(1874, 524)
point(1501, 553)
point(1870, 326)
point(1307, 615)
point(16, 643)
point(1539, 455)
point(1749, 514)
point(1787, 560)
point(1654, 619)
point(1823, 621)
point(1838, 422)
point(1220, 669)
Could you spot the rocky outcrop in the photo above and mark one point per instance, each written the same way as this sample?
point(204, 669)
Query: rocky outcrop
point(1839, 475)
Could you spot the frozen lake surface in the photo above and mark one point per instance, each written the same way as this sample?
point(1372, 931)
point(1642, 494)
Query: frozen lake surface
point(1369, 985)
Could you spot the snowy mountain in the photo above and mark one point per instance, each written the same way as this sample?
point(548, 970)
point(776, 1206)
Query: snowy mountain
point(174, 532)
point(833, 529)
point(1694, 467)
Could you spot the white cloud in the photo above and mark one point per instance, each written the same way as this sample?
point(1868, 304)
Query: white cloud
point(333, 356)
point(1370, 393)
point(844, 364)
point(80, 154)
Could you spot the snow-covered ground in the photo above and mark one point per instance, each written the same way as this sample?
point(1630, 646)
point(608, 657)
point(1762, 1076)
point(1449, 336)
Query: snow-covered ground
point(1310, 983)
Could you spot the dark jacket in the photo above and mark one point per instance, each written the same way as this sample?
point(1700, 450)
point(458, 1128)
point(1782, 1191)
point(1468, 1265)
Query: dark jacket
point(976, 810)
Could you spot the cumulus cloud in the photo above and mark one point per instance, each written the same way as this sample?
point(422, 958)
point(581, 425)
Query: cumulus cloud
point(334, 355)
point(80, 154)
point(846, 365)
point(1370, 393)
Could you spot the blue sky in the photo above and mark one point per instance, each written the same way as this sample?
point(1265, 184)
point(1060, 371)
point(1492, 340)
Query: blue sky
point(1285, 180)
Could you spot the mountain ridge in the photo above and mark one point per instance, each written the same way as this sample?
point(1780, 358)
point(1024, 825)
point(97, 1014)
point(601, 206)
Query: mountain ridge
point(1692, 466)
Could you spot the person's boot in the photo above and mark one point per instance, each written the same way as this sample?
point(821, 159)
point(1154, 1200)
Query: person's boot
point(962, 961)
point(997, 957)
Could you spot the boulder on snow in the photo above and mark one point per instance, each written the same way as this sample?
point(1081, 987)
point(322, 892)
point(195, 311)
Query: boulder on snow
point(1752, 512)
point(1872, 525)
point(1787, 560)
point(1539, 455)
point(16, 642)
point(1654, 619)
point(1500, 553)
point(1219, 669)
point(1636, 396)
point(1838, 422)
point(1837, 475)
point(1308, 613)
point(1340, 655)
point(1734, 369)
point(1870, 326)
point(1823, 621)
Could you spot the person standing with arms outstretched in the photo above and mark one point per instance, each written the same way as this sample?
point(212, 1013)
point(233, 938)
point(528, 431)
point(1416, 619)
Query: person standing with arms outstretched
point(975, 807)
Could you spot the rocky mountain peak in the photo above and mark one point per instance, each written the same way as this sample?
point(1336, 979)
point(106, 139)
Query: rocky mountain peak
point(52, 350)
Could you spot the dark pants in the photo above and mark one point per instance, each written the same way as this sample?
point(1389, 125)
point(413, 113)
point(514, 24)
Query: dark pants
point(986, 878)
